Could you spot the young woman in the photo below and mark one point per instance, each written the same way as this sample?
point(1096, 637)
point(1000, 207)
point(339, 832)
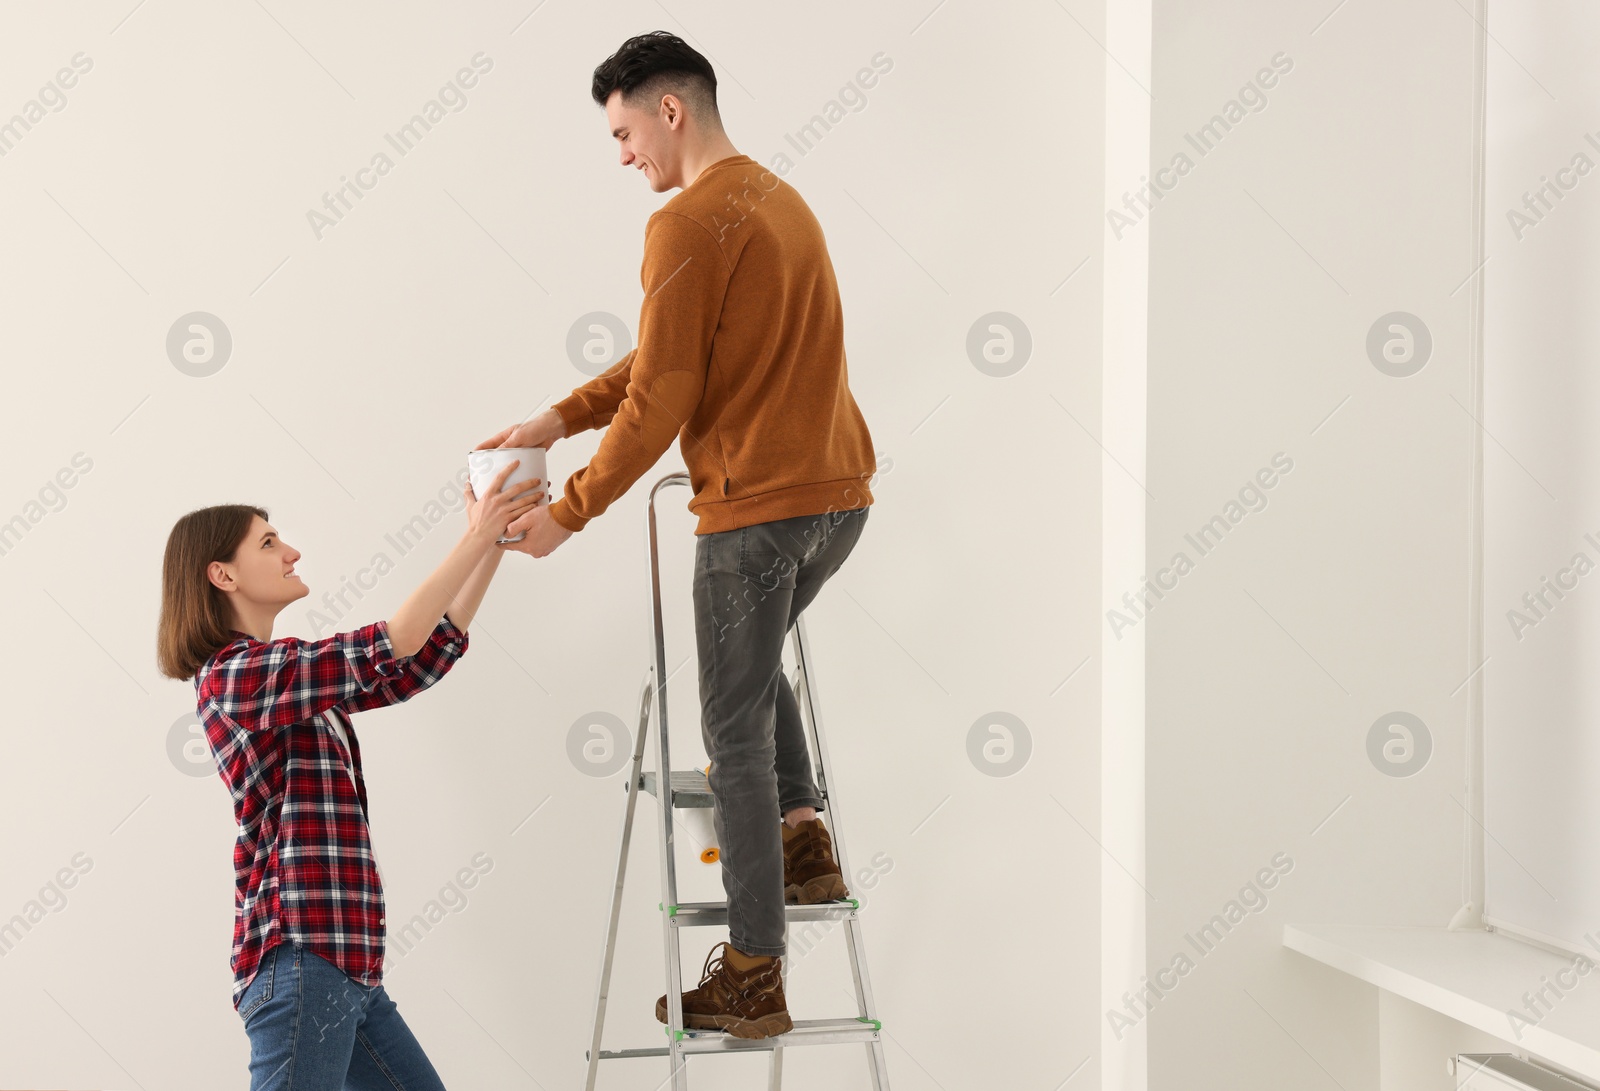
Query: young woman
point(308, 934)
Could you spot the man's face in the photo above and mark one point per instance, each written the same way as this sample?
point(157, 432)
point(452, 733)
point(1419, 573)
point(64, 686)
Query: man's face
point(647, 138)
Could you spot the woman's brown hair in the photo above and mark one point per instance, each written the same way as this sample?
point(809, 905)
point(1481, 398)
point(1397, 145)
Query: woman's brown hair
point(195, 622)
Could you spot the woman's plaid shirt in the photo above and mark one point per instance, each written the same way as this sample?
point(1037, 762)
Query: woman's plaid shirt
point(303, 863)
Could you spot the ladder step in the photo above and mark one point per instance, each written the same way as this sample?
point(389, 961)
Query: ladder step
point(693, 914)
point(806, 1032)
point(690, 787)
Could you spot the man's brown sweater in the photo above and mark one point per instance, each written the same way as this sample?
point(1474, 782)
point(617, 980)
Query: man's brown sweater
point(740, 356)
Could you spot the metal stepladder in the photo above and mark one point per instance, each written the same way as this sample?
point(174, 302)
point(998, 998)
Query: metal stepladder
point(692, 789)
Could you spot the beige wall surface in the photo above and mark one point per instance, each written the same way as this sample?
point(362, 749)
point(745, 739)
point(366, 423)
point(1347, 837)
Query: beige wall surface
point(1309, 462)
point(181, 172)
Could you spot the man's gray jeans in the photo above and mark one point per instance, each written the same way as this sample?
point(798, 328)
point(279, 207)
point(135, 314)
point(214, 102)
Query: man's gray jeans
point(749, 586)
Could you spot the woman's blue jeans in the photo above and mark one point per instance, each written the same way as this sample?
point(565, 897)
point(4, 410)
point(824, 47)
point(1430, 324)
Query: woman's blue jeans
point(312, 1028)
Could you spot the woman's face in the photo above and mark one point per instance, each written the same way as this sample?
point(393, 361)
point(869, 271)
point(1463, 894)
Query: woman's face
point(262, 570)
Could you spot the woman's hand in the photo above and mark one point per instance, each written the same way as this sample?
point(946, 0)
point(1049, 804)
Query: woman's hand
point(456, 587)
point(541, 431)
point(488, 518)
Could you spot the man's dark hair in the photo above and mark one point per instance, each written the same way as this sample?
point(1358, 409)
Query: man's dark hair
point(650, 65)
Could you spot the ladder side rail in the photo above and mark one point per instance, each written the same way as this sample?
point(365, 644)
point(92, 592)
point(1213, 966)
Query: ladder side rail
point(669, 874)
point(866, 1005)
point(602, 989)
point(806, 694)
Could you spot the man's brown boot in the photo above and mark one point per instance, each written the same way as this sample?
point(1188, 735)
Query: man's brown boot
point(747, 1003)
point(809, 872)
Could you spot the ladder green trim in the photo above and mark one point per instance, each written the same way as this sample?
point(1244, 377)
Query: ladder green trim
point(877, 1024)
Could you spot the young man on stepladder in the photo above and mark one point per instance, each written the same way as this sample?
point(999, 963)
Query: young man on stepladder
point(741, 359)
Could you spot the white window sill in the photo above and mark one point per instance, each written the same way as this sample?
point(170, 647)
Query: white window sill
point(1474, 978)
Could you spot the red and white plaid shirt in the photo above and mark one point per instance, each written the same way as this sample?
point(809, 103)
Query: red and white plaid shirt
point(303, 864)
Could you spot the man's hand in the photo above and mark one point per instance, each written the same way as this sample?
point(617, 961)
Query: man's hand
point(541, 430)
point(544, 534)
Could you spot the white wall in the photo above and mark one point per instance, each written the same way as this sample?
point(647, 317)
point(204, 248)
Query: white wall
point(1539, 475)
point(177, 179)
point(1538, 486)
point(1124, 1050)
point(1344, 600)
